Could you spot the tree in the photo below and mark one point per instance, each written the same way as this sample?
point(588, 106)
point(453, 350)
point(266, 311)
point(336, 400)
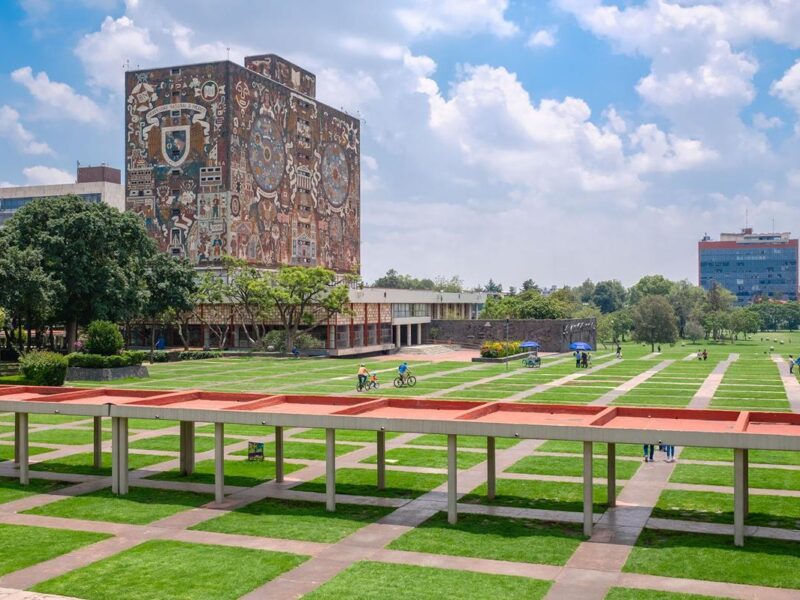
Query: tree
point(92, 252)
point(529, 285)
point(303, 297)
point(585, 290)
point(621, 324)
point(744, 321)
point(246, 293)
point(568, 298)
point(171, 286)
point(693, 330)
point(650, 285)
point(493, 288)
point(512, 291)
point(609, 296)
point(526, 305)
point(715, 310)
point(453, 285)
point(654, 321)
point(686, 300)
point(395, 280)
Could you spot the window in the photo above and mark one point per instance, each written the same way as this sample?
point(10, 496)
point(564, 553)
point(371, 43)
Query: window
point(175, 71)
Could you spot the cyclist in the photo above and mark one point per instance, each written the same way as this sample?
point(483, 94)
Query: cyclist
point(363, 373)
point(403, 371)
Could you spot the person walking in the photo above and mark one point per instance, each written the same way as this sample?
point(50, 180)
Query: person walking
point(705, 354)
point(791, 364)
point(584, 360)
point(649, 450)
point(670, 450)
point(577, 359)
point(619, 351)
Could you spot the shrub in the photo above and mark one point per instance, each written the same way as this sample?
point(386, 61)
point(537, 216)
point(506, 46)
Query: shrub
point(103, 337)
point(304, 341)
point(500, 349)
point(274, 340)
point(98, 361)
point(199, 354)
point(44, 368)
point(159, 356)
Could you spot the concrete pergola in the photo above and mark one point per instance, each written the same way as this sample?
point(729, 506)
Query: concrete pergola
point(740, 431)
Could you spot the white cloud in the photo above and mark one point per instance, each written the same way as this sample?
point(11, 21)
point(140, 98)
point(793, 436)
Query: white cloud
point(457, 16)
point(763, 122)
point(183, 36)
point(787, 88)
point(59, 98)
point(24, 140)
point(6, 184)
point(543, 38)
point(665, 152)
point(41, 175)
point(105, 53)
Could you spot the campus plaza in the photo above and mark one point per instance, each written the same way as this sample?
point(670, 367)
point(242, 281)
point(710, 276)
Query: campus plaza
point(430, 502)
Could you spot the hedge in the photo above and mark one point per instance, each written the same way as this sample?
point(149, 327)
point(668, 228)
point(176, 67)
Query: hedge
point(97, 361)
point(43, 368)
point(103, 337)
point(199, 354)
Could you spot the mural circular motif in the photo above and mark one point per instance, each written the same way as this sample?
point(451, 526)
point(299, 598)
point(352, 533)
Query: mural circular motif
point(335, 174)
point(267, 154)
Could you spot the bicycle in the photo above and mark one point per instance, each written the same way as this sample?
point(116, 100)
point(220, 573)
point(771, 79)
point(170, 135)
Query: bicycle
point(370, 384)
point(409, 381)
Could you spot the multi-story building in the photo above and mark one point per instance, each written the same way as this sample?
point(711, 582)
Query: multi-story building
point(751, 265)
point(94, 184)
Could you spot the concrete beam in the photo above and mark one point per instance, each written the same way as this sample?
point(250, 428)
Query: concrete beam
point(279, 454)
point(452, 479)
point(22, 457)
point(219, 462)
point(123, 456)
point(97, 425)
point(330, 470)
point(115, 455)
point(588, 489)
point(611, 476)
point(381, 441)
point(491, 468)
point(739, 494)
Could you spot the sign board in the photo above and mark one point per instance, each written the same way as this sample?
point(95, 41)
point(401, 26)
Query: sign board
point(255, 451)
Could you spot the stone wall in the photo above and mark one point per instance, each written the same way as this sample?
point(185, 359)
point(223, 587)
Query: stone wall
point(555, 335)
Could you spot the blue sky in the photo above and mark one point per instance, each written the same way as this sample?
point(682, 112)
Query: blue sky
point(551, 139)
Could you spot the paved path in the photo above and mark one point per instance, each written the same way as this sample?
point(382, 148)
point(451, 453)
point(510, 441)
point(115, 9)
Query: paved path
point(703, 396)
point(543, 387)
point(790, 383)
point(632, 383)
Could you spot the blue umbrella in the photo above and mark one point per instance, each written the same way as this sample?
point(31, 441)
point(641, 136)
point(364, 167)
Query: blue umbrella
point(529, 344)
point(579, 346)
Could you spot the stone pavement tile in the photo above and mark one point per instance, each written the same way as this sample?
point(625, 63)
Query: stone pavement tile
point(630, 384)
point(25, 578)
point(75, 524)
point(599, 557)
point(479, 565)
point(246, 541)
point(697, 487)
point(723, 529)
point(790, 383)
point(543, 387)
point(303, 579)
point(11, 594)
point(704, 394)
point(376, 535)
point(706, 588)
point(581, 584)
point(525, 513)
point(282, 589)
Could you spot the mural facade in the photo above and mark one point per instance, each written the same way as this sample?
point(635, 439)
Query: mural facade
point(223, 159)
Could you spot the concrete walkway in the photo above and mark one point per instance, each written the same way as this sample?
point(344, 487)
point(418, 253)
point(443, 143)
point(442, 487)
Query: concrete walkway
point(632, 383)
point(790, 383)
point(543, 387)
point(703, 396)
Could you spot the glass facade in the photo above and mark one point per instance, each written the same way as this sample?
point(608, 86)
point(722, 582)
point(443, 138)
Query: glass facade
point(411, 310)
point(750, 271)
point(8, 206)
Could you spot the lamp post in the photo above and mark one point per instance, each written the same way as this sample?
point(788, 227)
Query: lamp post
point(507, 322)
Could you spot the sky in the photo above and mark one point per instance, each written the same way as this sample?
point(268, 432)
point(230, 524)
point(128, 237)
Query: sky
point(547, 139)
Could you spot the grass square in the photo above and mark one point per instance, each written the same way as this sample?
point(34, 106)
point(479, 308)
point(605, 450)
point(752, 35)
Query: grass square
point(24, 546)
point(175, 570)
point(544, 495)
point(377, 581)
point(295, 520)
point(150, 424)
point(82, 464)
point(242, 473)
point(571, 466)
point(774, 563)
point(463, 441)
point(254, 432)
point(619, 593)
point(11, 489)
point(138, 507)
point(760, 478)
point(419, 457)
point(344, 435)
point(362, 482)
point(767, 457)
point(70, 437)
point(598, 449)
point(303, 450)
point(498, 538)
point(171, 443)
point(7, 451)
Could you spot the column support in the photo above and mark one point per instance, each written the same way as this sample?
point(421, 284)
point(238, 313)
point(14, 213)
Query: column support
point(491, 472)
point(381, 459)
point(115, 455)
point(419, 333)
point(611, 476)
point(219, 462)
point(98, 442)
point(22, 458)
point(123, 456)
point(739, 493)
point(452, 479)
point(330, 470)
point(746, 483)
point(588, 489)
point(279, 454)
point(187, 447)
point(408, 333)
point(16, 436)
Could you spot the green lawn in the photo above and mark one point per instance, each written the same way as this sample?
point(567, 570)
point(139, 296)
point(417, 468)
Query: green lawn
point(362, 482)
point(175, 570)
point(10, 489)
point(302, 450)
point(767, 457)
point(419, 457)
point(24, 546)
point(619, 593)
point(81, 464)
point(255, 432)
point(138, 507)
point(544, 495)
point(598, 449)
point(761, 478)
point(570, 466)
point(74, 437)
point(7, 451)
point(464, 441)
point(295, 520)
point(774, 563)
point(715, 507)
point(237, 472)
point(498, 538)
point(344, 435)
point(380, 581)
point(171, 443)
point(150, 424)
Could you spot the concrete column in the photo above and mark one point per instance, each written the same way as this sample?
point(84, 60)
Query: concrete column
point(739, 493)
point(330, 470)
point(98, 442)
point(419, 333)
point(381, 460)
point(452, 480)
point(408, 334)
point(219, 462)
point(397, 339)
point(491, 477)
point(115, 455)
point(17, 417)
point(22, 457)
point(612, 475)
point(746, 483)
point(123, 456)
point(588, 509)
point(236, 336)
point(187, 447)
point(279, 454)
